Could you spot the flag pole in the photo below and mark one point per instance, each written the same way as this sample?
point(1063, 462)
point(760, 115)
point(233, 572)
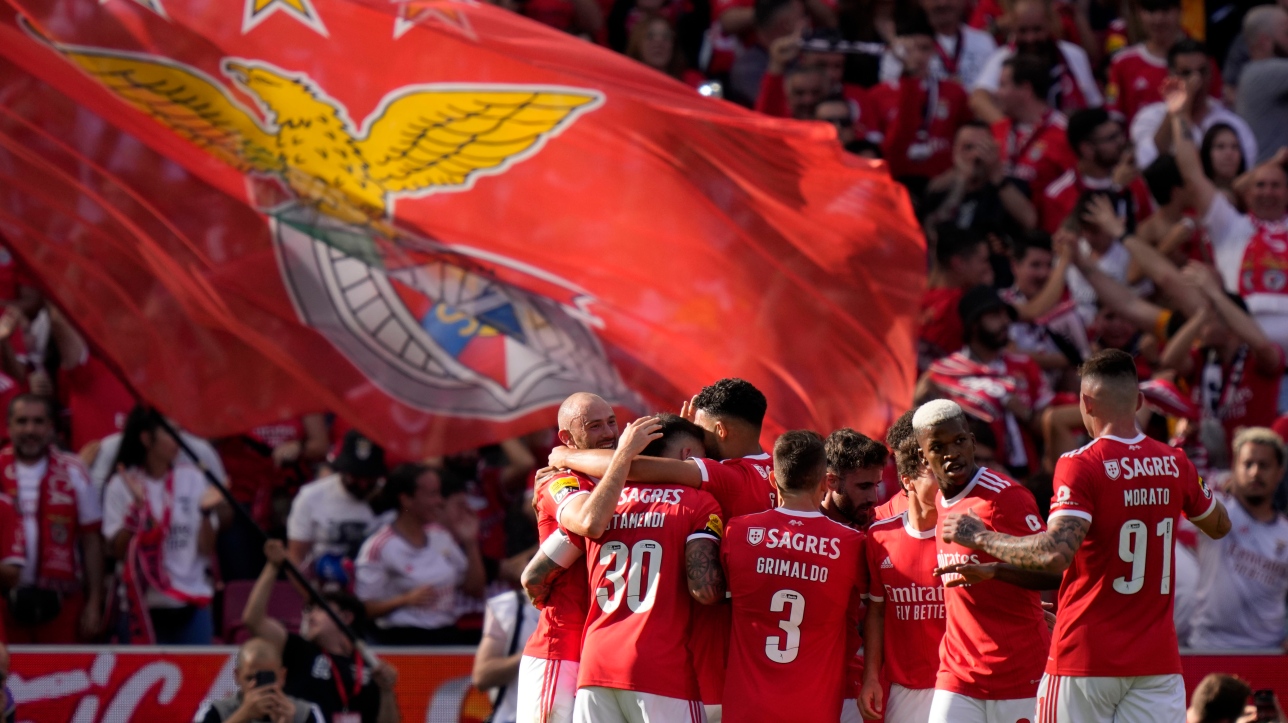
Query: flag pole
point(240, 511)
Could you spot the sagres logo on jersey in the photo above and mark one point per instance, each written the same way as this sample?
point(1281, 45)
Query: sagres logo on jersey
point(442, 327)
point(755, 535)
point(1111, 468)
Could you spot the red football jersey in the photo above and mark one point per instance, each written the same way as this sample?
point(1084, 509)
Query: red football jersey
point(638, 625)
point(1038, 155)
point(558, 633)
point(901, 564)
point(741, 486)
point(1115, 616)
point(1134, 204)
point(792, 576)
point(995, 637)
point(891, 507)
point(917, 135)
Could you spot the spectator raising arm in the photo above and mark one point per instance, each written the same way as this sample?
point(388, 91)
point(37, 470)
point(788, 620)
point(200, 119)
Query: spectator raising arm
point(255, 614)
point(1177, 98)
point(1267, 353)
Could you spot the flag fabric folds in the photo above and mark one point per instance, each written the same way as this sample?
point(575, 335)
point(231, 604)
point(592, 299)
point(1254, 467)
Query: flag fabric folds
point(436, 219)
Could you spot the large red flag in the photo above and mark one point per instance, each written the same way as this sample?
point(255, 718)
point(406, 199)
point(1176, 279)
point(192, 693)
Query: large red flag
point(436, 219)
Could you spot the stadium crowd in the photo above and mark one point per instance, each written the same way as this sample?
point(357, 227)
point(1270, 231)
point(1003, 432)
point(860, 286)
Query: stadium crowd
point(1090, 177)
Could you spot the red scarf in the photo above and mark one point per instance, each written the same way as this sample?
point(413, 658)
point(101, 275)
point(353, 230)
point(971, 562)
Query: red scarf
point(1265, 260)
point(57, 567)
point(978, 389)
point(145, 563)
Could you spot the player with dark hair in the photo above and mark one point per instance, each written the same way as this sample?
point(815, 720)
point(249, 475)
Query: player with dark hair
point(1113, 518)
point(854, 466)
point(792, 573)
point(729, 413)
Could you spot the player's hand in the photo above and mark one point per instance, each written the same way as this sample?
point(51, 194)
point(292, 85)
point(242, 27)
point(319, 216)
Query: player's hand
point(963, 529)
point(557, 460)
point(1048, 613)
point(689, 409)
point(1204, 277)
point(870, 703)
point(637, 436)
point(967, 573)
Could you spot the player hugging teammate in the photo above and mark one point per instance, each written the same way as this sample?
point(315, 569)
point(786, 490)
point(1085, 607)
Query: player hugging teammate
point(685, 575)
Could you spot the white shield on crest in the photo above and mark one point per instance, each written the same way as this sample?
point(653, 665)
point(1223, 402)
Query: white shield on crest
point(755, 535)
point(1111, 468)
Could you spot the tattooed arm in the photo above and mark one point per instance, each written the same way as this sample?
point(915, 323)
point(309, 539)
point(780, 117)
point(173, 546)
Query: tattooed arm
point(970, 574)
point(706, 577)
point(538, 577)
point(1050, 551)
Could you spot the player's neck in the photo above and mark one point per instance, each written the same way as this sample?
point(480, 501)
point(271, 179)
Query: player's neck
point(830, 511)
point(798, 502)
point(921, 515)
point(734, 448)
point(1122, 428)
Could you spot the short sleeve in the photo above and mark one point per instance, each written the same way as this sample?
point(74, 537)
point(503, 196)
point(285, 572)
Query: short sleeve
point(116, 505)
point(89, 507)
point(563, 548)
point(1197, 496)
point(371, 578)
point(872, 568)
point(559, 491)
point(990, 77)
point(1072, 495)
point(717, 478)
point(299, 523)
point(707, 521)
point(1015, 512)
point(1143, 128)
point(498, 623)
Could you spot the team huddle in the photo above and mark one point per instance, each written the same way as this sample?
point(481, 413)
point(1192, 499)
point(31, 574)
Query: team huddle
point(686, 575)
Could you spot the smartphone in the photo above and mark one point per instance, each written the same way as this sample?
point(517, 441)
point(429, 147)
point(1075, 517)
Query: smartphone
point(265, 678)
point(1264, 701)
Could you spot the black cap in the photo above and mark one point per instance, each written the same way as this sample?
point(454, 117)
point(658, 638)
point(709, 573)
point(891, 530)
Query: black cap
point(360, 457)
point(979, 301)
point(911, 20)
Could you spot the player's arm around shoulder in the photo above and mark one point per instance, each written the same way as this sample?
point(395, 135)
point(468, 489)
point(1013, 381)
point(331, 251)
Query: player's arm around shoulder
point(555, 555)
point(1051, 550)
point(702, 552)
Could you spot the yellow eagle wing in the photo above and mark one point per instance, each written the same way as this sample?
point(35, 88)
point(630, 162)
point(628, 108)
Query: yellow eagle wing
point(430, 139)
point(185, 100)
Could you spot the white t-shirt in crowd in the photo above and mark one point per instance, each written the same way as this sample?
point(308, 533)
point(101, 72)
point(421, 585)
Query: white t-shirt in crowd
point(1149, 118)
point(1114, 263)
point(1185, 585)
point(1075, 57)
point(108, 447)
point(977, 47)
point(186, 567)
point(1243, 582)
point(1230, 233)
point(502, 612)
point(326, 515)
point(388, 566)
point(89, 508)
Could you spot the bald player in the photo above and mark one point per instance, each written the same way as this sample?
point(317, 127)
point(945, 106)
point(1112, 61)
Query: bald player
point(570, 502)
point(259, 675)
point(1117, 501)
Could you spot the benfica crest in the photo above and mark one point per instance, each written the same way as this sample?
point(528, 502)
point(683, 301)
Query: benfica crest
point(1111, 468)
point(442, 328)
point(755, 535)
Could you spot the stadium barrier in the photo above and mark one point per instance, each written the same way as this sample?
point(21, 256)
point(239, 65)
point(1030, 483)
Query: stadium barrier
point(104, 684)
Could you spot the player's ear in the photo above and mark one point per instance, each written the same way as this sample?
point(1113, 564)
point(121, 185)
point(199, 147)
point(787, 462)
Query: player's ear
point(565, 438)
point(722, 432)
point(833, 480)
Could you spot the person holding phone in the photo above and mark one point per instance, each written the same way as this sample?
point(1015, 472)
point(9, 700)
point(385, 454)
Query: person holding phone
point(259, 697)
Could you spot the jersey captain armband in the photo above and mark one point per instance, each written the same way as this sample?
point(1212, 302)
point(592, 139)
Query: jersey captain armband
point(560, 549)
point(713, 530)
